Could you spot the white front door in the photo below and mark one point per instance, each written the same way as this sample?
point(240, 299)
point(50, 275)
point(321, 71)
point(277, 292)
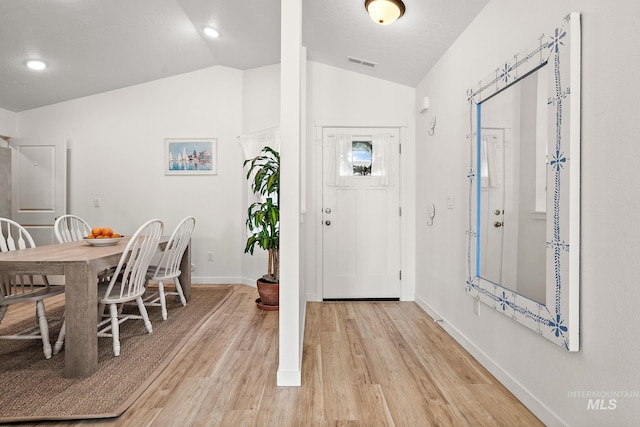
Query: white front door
point(38, 185)
point(361, 213)
point(492, 204)
point(499, 204)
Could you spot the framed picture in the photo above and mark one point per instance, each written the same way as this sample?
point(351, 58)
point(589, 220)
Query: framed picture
point(190, 156)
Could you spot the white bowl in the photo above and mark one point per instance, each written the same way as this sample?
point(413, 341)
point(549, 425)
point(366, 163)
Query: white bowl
point(103, 242)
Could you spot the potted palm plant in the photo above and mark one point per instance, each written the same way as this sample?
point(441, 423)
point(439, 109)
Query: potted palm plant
point(263, 222)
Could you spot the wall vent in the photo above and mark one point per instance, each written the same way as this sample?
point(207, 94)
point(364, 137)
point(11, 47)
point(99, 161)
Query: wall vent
point(362, 62)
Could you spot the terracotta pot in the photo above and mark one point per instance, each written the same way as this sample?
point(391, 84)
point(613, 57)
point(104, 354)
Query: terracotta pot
point(269, 295)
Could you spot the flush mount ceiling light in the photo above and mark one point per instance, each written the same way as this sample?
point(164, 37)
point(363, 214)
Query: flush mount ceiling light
point(36, 64)
point(211, 32)
point(384, 12)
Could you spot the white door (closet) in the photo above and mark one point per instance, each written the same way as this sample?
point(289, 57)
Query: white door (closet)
point(361, 213)
point(38, 185)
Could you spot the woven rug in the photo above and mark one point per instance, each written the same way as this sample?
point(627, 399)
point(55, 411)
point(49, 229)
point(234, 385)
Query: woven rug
point(33, 388)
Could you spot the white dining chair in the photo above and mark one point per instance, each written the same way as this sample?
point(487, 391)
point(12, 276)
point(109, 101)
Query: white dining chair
point(70, 228)
point(168, 267)
point(128, 282)
point(21, 288)
point(126, 285)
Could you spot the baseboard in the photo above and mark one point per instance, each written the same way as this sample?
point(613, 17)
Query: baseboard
point(293, 378)
point(289, 378)
point(539, 409)
point(222, 281)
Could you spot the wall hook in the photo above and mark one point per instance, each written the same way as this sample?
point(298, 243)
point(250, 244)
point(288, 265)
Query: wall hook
point(432, 124)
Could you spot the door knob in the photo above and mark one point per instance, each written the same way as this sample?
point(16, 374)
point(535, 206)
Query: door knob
point(327, 222)
point(497, 224)
point(496, 212)
point(328, 210)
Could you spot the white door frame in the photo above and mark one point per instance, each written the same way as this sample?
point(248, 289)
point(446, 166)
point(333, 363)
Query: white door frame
point(407, 222)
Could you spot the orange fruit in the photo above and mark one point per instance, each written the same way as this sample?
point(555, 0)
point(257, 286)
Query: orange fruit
point(90, 236)
point(106, 231)
point(116, 235)
point(96, 231)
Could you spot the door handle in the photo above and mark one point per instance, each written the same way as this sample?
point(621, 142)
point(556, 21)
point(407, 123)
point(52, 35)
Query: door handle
point(327, 222)
point(327, 210)
point(497, 224)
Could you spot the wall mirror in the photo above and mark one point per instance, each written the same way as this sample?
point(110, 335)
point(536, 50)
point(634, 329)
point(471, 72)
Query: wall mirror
point(524, 181)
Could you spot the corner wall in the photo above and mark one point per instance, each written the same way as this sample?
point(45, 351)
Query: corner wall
point(8, 121)
point(555, 384)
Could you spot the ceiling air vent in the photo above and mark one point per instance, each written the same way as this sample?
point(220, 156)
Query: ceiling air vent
point(362, 62)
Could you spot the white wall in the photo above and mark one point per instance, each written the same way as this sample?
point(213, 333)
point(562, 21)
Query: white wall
point(540, 373)
point(5, 179)
point(8, 120)
point(337, 97)
point(116, 153)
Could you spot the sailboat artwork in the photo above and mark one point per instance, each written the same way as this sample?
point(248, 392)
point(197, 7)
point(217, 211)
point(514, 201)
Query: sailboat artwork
point(190, 156)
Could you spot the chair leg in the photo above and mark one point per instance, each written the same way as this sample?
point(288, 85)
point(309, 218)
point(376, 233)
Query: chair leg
point(179, 290)
point(3, 311)
point(101, 308)
point(60, 341)
point(44, 329)
point(115, 330)
point(144, 314)
point(163, 300)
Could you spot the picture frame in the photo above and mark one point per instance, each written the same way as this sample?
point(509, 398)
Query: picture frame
point(190, 156)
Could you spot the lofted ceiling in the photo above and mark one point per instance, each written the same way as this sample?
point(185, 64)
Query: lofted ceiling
point(94, 46)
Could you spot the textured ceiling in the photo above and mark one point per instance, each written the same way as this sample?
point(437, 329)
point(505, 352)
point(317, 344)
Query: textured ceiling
point(93, 46)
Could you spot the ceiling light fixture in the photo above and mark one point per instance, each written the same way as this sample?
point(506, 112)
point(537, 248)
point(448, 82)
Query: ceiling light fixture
point(36, 64)
point(211, 32)
point(384, 12)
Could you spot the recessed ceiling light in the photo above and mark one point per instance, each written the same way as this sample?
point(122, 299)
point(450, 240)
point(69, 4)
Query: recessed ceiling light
point(211, 32)
point(36, 64)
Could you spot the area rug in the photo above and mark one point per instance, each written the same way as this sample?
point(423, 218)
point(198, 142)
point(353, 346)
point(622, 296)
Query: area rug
point(34, 389)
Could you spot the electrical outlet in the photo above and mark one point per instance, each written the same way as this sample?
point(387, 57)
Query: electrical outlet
point(209, 256)
point(476, 307)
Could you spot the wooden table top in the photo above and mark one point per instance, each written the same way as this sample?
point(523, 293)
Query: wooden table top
point(63, 252)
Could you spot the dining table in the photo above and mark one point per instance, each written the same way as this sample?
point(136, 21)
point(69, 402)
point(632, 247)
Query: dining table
point(80, 264)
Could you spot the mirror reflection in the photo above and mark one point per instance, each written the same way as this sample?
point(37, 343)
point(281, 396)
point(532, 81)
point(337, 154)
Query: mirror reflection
point(512, 187)
point(524, 219)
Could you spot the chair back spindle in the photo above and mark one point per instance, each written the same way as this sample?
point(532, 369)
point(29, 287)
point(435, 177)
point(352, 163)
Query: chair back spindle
point(70, 228)
point(131, 271)
point(24, 287)
point(169, 264)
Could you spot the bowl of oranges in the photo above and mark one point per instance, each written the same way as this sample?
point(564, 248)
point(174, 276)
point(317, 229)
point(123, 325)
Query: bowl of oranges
point(102, 236)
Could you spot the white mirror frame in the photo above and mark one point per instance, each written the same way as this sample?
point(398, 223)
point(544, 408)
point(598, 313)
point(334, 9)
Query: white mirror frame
point(558, 318)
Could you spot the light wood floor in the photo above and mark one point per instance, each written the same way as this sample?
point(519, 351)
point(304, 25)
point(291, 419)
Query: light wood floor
point(364, 364)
